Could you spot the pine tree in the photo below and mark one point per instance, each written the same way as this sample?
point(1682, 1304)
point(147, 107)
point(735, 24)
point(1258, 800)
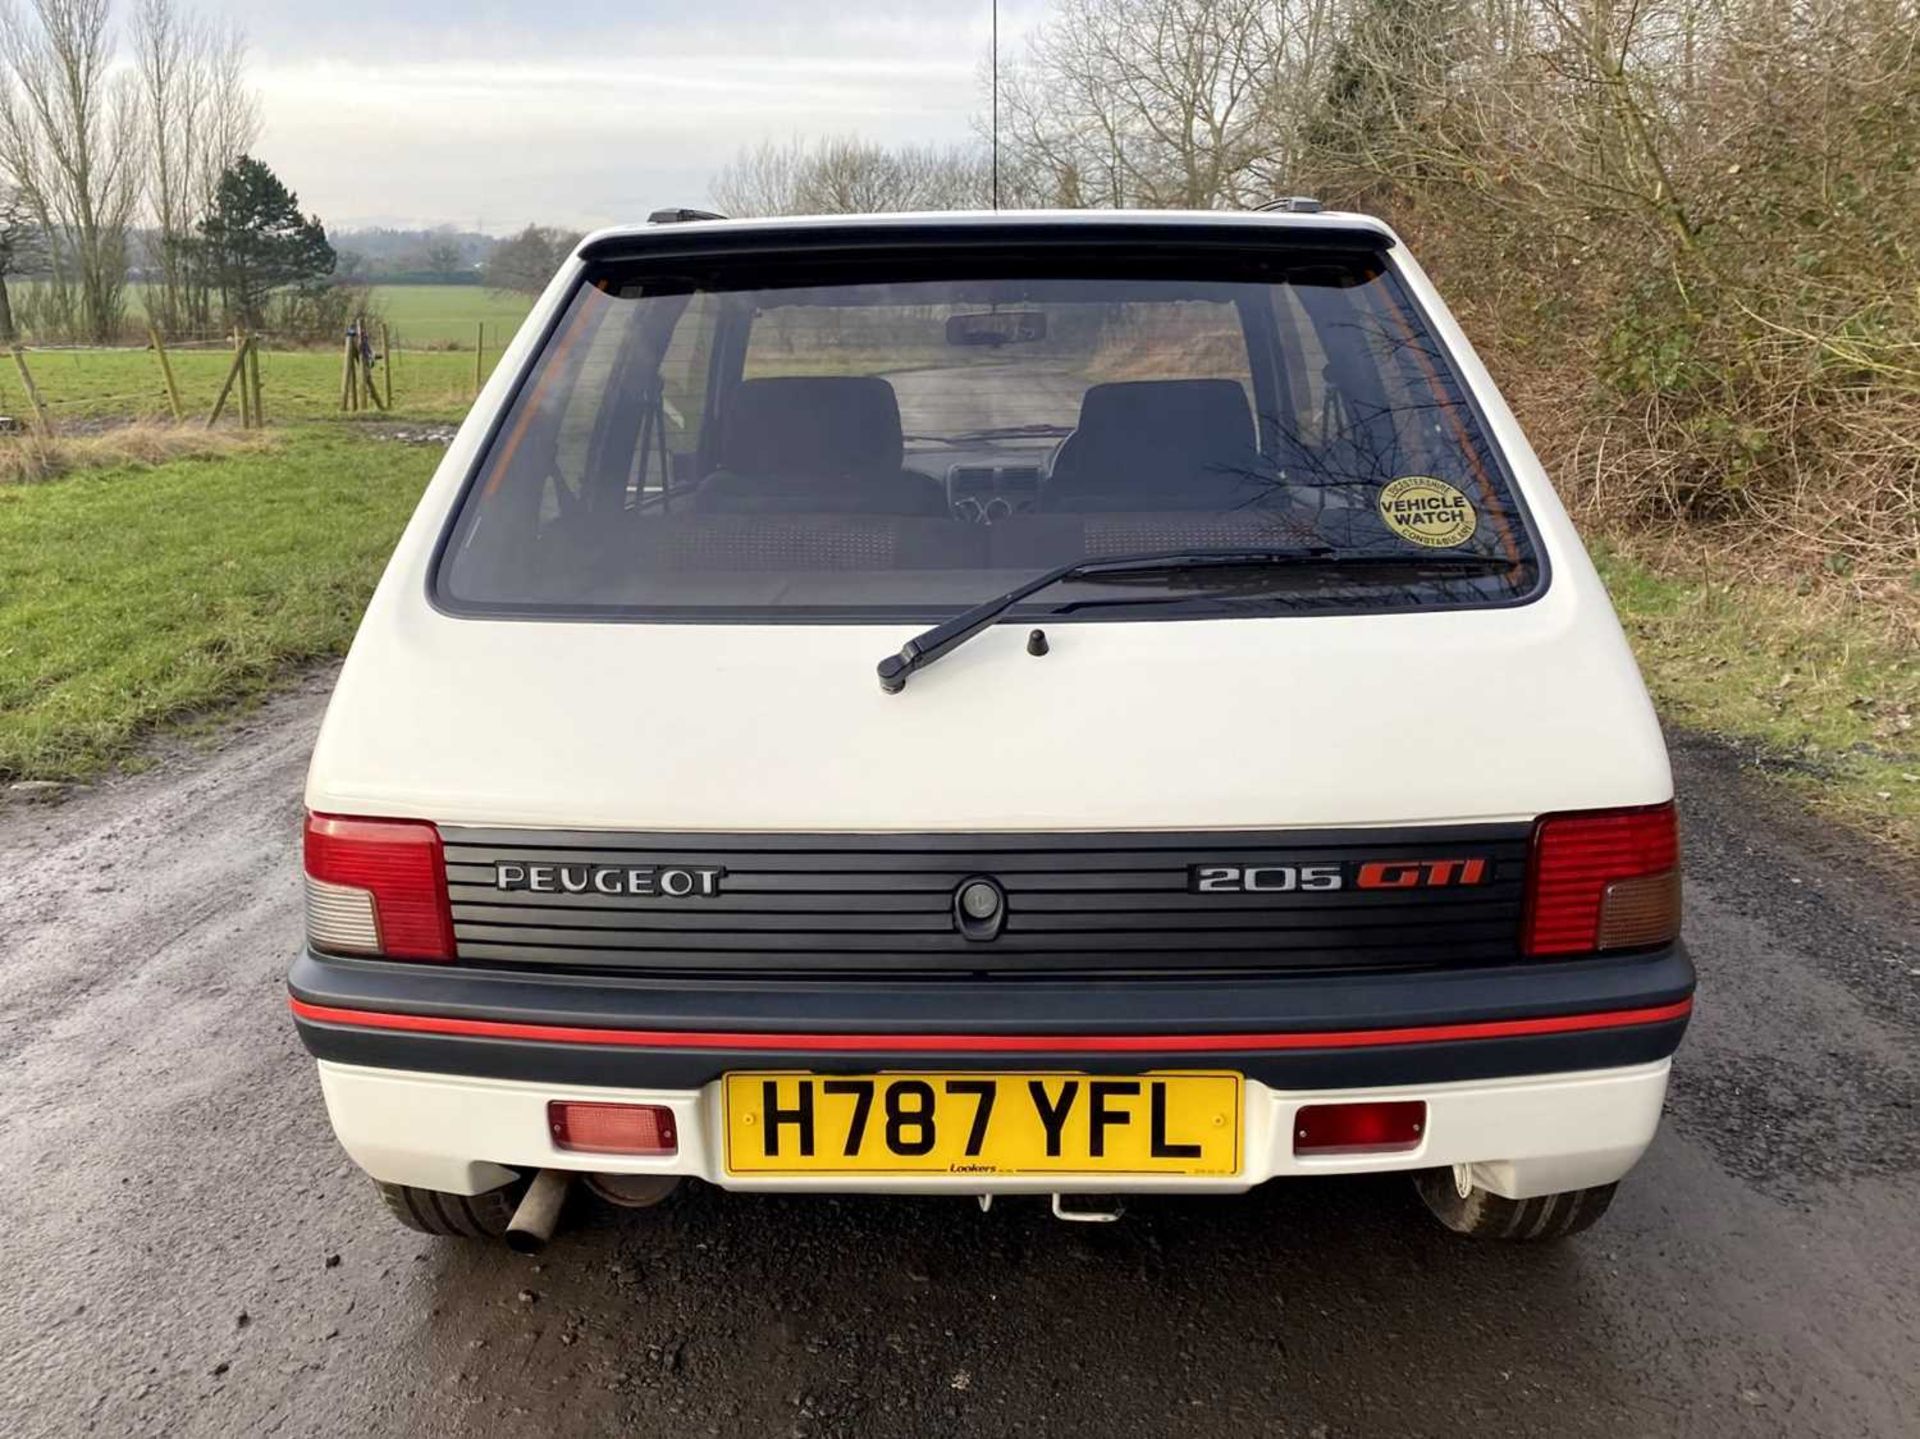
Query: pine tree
point(258, 241)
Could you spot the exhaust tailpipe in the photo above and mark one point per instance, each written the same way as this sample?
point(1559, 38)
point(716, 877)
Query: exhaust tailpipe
point(532, 1223)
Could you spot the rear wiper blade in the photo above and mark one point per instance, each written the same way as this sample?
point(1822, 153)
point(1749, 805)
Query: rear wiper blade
point(923, 649)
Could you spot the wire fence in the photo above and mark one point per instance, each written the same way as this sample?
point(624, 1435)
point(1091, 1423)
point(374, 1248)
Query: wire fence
point(211, 378)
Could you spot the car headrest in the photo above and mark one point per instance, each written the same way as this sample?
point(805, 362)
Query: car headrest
point(1206, 416)
point(811, 425)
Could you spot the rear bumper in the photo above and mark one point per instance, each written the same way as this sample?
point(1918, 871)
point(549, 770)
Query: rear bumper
point(1296, 1032)
point(1543, 1076)
point(1536, 1135)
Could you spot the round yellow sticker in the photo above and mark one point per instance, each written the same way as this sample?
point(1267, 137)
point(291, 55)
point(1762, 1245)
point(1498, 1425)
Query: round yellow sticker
point(1426, 511)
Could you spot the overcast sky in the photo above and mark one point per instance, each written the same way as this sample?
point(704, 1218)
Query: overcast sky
point(586, 112)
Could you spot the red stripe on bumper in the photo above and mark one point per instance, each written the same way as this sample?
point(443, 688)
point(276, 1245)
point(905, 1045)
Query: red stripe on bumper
point(987, 1043)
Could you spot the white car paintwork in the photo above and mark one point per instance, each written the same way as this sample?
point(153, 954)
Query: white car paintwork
point(1294, 721)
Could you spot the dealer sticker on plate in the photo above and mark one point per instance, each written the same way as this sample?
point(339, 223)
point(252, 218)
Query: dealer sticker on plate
point(1039, 1123)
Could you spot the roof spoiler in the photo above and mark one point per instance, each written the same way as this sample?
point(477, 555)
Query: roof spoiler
point(854, 234)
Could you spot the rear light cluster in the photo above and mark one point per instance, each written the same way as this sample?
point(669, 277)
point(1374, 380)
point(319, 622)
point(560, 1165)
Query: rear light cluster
point(377, 886)
point(1607, 879)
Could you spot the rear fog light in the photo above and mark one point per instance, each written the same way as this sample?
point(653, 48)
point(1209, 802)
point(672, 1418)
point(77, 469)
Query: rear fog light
point(1371, 1127)
point(596, 1128)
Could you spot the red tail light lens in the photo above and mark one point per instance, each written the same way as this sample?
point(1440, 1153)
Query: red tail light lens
point(1386, 1126)
point(1607, 879)
point(591, 1127)
point(377, 886)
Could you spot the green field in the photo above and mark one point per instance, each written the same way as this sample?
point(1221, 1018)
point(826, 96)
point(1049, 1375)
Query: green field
point(94, 385)
point(433, 327)
point(131, 597)
point(436, 316)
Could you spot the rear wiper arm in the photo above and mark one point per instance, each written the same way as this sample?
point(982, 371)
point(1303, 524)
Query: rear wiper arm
point(923, 649)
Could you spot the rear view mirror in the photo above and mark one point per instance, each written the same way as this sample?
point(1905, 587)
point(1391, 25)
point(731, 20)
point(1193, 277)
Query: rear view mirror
point(997, 327)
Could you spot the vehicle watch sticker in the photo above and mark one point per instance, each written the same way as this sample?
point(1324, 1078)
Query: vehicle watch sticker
point(1426, 511)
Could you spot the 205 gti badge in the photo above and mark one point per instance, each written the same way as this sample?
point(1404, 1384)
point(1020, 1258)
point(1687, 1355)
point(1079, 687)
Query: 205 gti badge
point(644, 881)
point(1357, 874)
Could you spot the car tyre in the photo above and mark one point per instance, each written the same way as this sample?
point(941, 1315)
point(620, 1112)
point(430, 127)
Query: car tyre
point(451, 1216)
point(1467, 1208)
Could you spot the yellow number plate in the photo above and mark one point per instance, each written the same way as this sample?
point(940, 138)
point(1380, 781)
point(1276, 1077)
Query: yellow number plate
point(823, 1124)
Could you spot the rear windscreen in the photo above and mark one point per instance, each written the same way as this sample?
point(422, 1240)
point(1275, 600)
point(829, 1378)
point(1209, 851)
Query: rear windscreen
point(898, 439)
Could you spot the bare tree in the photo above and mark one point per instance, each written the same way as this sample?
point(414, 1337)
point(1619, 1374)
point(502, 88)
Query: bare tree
point(844, 175)
point(69, 130)
point(199, 117)
point(1148, 102)
point(761, 179)
point(525, 262)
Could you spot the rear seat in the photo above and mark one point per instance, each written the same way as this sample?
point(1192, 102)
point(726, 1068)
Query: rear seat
point(815, 444)
point(1158, 445)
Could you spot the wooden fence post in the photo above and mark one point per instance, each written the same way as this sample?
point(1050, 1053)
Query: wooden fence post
point(253, 373)
point(386, 355)
point(366, 370)
point(240, 367)
point(33, 391)
point(479, 350)
point(233, 373)
point(166, 373)
point(346, 372)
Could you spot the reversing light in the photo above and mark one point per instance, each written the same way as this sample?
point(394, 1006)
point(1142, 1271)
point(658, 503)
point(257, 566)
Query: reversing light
point(1603, 879)
point(594, 1127)
point(377, 886)
point(1384, 1126)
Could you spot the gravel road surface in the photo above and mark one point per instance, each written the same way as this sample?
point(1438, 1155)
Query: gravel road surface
point(186, 1252)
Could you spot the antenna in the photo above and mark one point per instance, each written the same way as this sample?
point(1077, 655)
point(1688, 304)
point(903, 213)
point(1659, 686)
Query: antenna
point(996, 104)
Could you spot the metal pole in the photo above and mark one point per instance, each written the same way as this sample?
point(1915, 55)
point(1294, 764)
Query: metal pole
point(996, 104)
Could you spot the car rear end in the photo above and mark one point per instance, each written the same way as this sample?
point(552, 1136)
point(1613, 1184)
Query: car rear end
point(1358, 857)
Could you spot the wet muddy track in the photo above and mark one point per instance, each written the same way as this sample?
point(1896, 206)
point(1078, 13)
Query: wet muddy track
point(185, 1251)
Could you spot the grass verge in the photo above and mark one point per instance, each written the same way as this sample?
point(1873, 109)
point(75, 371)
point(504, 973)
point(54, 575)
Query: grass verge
point(1820, 686)
point(130, 597)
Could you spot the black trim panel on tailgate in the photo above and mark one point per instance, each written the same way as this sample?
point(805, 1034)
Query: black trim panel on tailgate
point(1090, 903)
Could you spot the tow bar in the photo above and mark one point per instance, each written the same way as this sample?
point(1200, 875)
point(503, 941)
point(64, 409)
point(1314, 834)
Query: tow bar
point(1060, 1211)
point(1087, 1216)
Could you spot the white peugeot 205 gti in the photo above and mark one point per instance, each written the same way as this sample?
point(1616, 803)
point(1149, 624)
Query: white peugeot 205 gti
point(991, 704)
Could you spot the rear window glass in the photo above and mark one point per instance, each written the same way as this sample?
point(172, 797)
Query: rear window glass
point(898, 440)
